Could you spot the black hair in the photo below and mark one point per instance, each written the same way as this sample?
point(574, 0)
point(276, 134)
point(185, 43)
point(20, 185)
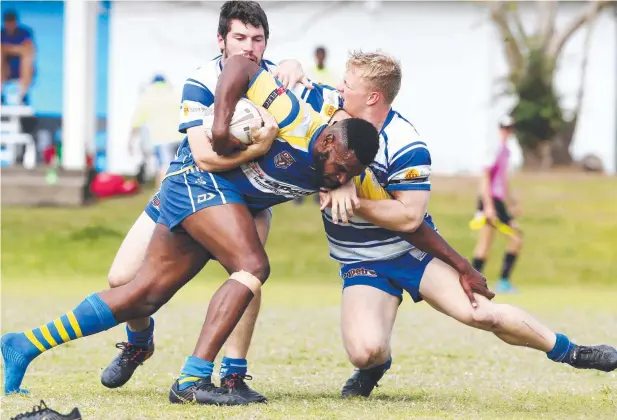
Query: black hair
point(320, 50)
point(247, 12)
point(9, 16)
point(362, 139)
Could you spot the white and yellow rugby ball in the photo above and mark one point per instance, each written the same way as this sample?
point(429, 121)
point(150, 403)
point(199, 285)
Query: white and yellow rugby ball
point(245, 116)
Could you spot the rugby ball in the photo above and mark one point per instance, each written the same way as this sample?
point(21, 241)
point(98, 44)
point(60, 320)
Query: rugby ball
point(246, 115)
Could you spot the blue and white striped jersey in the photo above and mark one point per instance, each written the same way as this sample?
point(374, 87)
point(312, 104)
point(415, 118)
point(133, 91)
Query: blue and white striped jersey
point(403, 163)
point(198, 92)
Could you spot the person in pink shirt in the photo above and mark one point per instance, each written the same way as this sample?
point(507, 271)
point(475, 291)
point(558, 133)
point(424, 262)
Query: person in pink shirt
point(493, 214)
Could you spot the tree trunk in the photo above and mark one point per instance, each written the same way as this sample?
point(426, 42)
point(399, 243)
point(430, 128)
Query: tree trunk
point(538, 158)
point(560, 149)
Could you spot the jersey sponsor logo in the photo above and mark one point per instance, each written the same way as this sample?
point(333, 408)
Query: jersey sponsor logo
point(412, 173)
point(201, 110)
point(279, 188)
point(329, 110)
point(283, 160)
point(360, 271)
point(156, 201)
point(272, 96)
point(266, 183)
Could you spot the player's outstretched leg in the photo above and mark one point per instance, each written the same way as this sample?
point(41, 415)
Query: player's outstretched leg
point(171, 261)
point(229, 233)
point(91, 316)
point(234, 365)
point(139, 345)
point(367, 316)
point(441, 289)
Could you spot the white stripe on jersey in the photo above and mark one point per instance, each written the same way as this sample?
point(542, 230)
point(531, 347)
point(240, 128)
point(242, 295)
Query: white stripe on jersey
point(369, 243)
point(188, 187)
point(189, 82)
point(216, 187)
point(417, 146)
point(363, 241)
point(348, 254)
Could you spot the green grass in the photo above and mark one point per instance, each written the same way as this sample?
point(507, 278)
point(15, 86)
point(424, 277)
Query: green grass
point(52, 258)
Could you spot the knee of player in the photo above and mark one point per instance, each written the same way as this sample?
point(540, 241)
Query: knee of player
point(257, 266)
point(368, 354)
point(486, 317)
point(117, 279)
point(517, 240)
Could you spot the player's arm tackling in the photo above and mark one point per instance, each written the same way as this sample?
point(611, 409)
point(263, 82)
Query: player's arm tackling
point(405, 213)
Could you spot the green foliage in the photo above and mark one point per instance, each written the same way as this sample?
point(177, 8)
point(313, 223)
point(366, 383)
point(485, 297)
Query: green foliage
point(538, 115)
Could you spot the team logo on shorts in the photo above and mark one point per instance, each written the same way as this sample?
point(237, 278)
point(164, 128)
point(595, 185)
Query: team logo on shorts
point(205, 197)
point(156, 202)
point(185, 109)
point(360, 271)
point(283, 160)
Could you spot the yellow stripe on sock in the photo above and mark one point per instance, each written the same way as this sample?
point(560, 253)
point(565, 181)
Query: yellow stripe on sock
point(35, 341)
point(189, 378)
point(48, 336)
point(74, 324)
point(61, 330)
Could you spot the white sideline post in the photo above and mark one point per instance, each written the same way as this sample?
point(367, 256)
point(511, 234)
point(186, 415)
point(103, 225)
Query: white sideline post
point(78, 119)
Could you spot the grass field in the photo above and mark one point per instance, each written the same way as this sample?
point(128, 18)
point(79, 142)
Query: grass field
point(52, 258)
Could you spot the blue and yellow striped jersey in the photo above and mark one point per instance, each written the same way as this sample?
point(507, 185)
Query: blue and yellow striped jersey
point(286, 170)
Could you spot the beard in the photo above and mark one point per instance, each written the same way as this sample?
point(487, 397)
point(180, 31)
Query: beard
point(320, 177)
point(227, 54)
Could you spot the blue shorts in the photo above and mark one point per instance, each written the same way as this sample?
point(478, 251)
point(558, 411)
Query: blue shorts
point(153, 207)
point(187, 193)
point(392, 276)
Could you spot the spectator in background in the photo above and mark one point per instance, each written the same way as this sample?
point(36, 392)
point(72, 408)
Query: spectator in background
point(18, 55)
point(320, 73)
point(158, 111)
point(493, 214)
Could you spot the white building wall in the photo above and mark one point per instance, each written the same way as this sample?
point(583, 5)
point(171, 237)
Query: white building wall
point(450, 53)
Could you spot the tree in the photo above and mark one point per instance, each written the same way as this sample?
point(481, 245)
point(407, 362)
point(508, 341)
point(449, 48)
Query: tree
point(544, 129)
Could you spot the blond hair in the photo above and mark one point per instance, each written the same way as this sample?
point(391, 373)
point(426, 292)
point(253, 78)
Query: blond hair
point(380, 70)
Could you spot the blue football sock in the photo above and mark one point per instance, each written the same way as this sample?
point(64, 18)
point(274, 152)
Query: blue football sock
point(18, 349)
point(562, 350)
point(193, 370)
point(142, 338)
point(229, 366)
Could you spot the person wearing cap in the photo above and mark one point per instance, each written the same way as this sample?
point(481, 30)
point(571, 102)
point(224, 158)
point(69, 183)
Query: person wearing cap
point(17, 55)
point(493, 208)
point(157, 110)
